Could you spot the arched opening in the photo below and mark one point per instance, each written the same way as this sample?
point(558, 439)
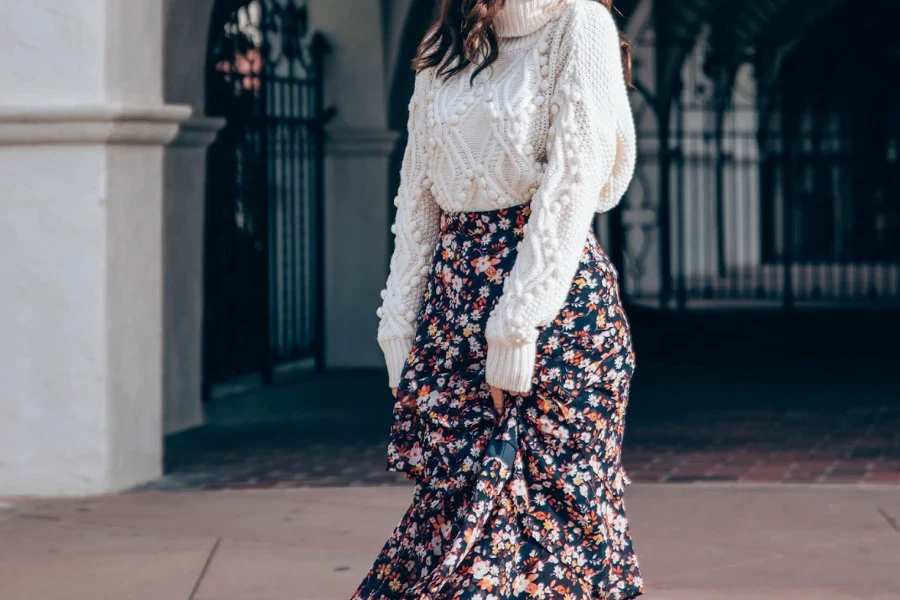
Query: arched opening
point(840, 121)
point(264, 207)
point(419, 18)
point(185, 42)
point(186, 33)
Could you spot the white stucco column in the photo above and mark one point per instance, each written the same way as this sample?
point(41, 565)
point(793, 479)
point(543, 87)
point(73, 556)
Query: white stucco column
point(82, 131)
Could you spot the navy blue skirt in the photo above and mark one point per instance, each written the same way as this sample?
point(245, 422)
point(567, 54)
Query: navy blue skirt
point(528, 503)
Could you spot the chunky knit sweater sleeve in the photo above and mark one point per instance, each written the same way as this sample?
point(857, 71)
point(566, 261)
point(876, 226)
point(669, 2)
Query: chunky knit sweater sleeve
point(590, 156)
point(416, 230)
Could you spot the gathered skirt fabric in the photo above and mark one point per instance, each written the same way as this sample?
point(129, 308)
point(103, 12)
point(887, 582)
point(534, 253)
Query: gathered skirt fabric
point(528, 503)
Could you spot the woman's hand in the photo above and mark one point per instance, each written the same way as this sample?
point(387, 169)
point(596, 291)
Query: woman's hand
point(497, 395)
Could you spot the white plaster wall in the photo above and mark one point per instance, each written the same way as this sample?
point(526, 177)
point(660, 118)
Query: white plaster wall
point(81, 51)
point(53, 353)
point(81, 354)
point(133, 59)
point(357, 247)
point(355, 80)
point(357, 217)
point(53, 51)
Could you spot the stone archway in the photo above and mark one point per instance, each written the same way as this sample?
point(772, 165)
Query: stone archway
point(356, 187)
point(185, 38)
point(405, 35)
point(417, 18)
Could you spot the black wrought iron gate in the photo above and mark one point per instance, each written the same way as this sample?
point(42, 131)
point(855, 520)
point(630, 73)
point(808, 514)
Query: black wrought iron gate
point(771, 182)
point(263, 262)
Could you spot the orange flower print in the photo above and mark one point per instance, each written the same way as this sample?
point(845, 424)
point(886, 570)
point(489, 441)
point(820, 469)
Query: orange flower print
point(485, 264)
point(524, 583)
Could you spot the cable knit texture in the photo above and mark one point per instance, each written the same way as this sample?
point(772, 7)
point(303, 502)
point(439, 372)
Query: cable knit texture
point(548, 123)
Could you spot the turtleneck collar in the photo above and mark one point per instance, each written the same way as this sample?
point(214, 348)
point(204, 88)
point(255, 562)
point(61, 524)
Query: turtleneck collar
point(523, 17)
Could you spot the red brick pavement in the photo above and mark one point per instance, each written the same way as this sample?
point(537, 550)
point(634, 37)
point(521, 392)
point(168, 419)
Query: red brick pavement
point(856, 445)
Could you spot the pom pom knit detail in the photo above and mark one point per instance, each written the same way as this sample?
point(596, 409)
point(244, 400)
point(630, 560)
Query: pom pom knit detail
point(548, 123)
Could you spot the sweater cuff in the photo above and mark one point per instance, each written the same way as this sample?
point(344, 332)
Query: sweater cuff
point(511, 368)
point(396, 351)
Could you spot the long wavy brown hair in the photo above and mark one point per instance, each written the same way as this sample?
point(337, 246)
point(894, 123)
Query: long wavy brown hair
point(464, 34)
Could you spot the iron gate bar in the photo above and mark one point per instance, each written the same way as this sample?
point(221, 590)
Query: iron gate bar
point(787, 228)
point(264, 271)
point(669, 83)
point(265, 342)
point(681, 284)
point(319, 47)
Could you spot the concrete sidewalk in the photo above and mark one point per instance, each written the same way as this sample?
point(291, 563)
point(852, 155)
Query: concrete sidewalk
point(695, 542)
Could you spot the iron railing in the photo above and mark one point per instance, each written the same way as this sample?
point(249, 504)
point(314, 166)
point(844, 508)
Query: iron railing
point(779, 194)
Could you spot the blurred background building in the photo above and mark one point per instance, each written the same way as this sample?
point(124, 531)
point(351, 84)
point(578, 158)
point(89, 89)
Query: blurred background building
point(200, 193)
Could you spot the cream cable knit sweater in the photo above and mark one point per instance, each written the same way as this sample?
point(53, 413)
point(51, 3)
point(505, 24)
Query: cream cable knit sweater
point(549, 123)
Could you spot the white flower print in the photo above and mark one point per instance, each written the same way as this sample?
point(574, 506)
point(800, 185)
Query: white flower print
point(519, 488)
point(415, 455)
point(520, 584)
point(480, 569)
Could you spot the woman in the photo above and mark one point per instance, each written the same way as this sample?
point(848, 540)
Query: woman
point(507, 349)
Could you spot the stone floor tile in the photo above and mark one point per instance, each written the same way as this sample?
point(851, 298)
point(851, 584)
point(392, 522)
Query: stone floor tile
point(246, 570)
point(59, 560)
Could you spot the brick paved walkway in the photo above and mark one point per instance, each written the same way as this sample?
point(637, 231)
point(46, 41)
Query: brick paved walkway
point(289, 437)
point(855, 445)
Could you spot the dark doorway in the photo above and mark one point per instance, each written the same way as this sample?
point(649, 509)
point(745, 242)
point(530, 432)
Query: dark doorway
point(263, 261)
point(841, 114)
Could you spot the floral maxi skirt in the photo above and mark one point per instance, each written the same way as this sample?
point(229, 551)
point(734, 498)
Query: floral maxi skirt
point(528, 503)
